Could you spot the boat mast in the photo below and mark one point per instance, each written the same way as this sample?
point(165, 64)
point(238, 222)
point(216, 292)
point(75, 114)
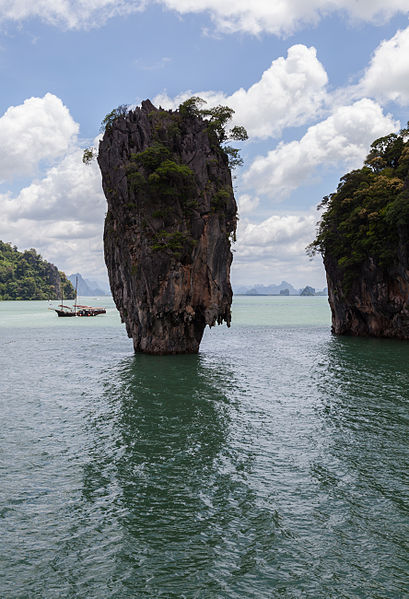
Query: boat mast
point(76, 294)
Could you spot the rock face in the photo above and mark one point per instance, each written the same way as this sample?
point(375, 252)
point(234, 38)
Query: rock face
point(377, 302)
point(171, 215)
point(363, 237)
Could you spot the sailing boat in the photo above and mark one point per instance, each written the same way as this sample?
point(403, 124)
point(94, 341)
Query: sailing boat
point(77, 310)
point(63, 310)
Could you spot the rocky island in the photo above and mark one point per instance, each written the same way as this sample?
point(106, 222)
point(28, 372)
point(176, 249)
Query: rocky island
point(170, 221)
point(363, 237)
point(27, 276)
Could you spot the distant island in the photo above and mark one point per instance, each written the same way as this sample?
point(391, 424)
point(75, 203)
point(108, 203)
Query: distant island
point(26, 276)
point(283, 289)
point(87, 288)
point(363, 238)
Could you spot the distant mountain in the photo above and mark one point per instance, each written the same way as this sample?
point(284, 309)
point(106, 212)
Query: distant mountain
point(26, 276)
point(85, 287)
point(308, 291)
point(282, 289)
point(267, 289)
point(104, 286)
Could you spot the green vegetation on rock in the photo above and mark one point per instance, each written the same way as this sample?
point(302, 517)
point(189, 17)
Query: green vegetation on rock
point(167, 194)
point(157, 172)
point(173, 180)
point(163, 177)
point(26, 276)
point(217, 119)
point(152, 157)
point(89, 155)
point(220, 198)
point(157, 177)
point(173, 243)
point(363, 218)
point(109, 119)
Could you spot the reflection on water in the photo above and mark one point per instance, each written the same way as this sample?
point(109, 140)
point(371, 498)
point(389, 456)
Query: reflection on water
point(187, 518)
point(362, 469)
point(173, 428)
point(278, 471)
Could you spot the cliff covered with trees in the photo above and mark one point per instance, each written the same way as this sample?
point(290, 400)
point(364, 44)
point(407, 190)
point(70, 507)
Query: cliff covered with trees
point(170, 221)
point(363, 237)
point(26, 276)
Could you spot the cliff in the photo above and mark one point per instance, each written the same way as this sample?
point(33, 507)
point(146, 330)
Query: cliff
point(171, 215)
point(364, 238)
point(26, 276)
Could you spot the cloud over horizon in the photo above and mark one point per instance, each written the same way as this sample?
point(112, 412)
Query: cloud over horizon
point(277, 245)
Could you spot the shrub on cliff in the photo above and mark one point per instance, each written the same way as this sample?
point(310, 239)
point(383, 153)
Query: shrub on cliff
point(109, 119)
point(157, 176)
point(218, 118)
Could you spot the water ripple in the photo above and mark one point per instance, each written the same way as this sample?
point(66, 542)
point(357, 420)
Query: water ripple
point(273, 464)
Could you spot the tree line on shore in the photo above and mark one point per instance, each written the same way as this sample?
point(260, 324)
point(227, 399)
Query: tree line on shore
point(27, 276)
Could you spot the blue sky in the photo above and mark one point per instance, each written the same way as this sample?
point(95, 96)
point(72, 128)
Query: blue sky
point(314, 85)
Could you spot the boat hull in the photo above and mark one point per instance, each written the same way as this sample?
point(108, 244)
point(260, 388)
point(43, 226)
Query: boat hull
point(83, 312)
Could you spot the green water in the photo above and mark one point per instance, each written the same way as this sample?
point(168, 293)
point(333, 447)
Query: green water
point(272, 464)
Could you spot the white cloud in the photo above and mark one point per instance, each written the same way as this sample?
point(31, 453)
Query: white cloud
point(281, 17)
point(278, 17)
point(61, 212)
point(289, 232)
point(69, 14)
point(39, 129)
point(343, 139)
point(274, 249)
point(247, 203)
point(387, 77)
point(69, 189)
point(61, 215)
point(289, 93)
point(70, 245)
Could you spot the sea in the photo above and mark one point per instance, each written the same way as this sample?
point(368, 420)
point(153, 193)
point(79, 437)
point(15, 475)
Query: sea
point(273, 464)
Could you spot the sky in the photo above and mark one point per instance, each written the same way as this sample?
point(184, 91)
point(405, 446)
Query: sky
point(314, 83)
